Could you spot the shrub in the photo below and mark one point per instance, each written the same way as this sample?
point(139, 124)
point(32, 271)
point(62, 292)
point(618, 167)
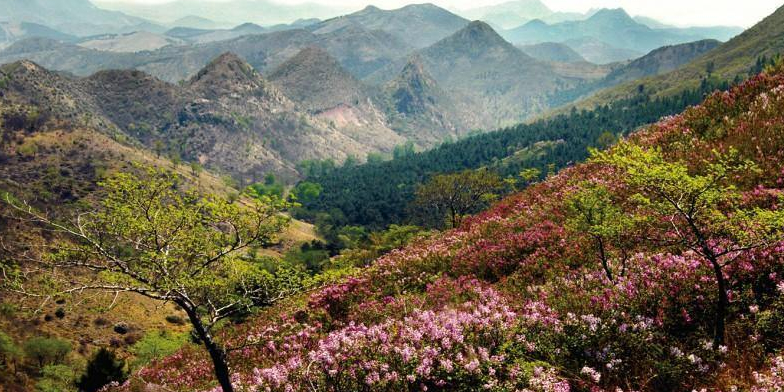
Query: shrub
point(103, 368)
point(56, 378)
point(10, 353)
point(175, 319)
point(46, 351)
point(121, 328)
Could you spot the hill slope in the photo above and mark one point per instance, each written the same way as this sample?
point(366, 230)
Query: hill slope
point(55, 148)
point(660, 61)
point(11, 32)
point(418, 108)
point(524, 296)
point(599, 52)
point(129, 43)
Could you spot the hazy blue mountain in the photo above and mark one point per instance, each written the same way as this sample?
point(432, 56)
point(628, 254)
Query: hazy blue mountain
point(599, 52)
point(197, 22)
point(76, 17)
point(651, 22)
point(233, 12)
point(721, 33)
point(509, 14)
point(612, 26)
point(14, 31)
point(552, 51)
point(200, 36)
point(515, 13)
point(418, 25)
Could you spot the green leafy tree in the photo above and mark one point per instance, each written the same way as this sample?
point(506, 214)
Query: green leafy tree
point(306, 191)
point(696, 211)
point(10, 353)
point(156, 344)
point(159, 147)
point(56, 378)
point(593, 212)
point(380, 243)
point(452, 196)
point(196, 169)
point(102, 369)
point(374, 158)
point(46, 351)
point(271, 187)
point(153, 238)
point(403, 151)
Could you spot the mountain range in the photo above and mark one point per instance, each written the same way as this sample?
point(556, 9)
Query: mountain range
point(613, 27)
point(231, 12)
point(733, 60)
point(75, 17)
point(515, 13)
point(384, 78)
point(226, 117)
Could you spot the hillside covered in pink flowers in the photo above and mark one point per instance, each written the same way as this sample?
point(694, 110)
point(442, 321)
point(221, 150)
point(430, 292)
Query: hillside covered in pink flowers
point(657, 265)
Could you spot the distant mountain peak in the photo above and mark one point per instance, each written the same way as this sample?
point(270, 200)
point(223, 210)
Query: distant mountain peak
point(248, 26)
point(536, 23)
point(423, 6)
point(612, 15)
point(414, 91)
point(370, 9)
point(310, 57)
point(317, 81)
point(226, 74)
point(25, 66)
point(416, 25)
point(228, 60)
point(414, 73)
point(478, 32)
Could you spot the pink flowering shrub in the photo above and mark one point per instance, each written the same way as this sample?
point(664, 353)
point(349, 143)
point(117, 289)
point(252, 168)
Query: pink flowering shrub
point(771, 380)
point(453, 348)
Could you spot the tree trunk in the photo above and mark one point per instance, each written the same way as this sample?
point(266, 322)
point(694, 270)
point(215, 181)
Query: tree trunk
point(603, 257)
point(722, 302)
point(217, 353)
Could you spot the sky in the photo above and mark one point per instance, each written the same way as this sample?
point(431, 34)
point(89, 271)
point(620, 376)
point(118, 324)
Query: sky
point(743, 13)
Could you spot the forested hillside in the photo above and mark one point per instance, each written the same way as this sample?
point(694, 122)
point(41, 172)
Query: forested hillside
point(655, 266)
point(354, 195)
